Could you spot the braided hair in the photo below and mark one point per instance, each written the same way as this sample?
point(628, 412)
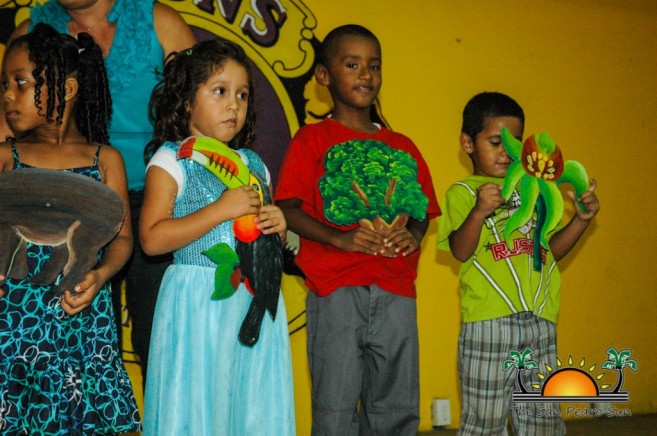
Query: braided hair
point(57, 57)
point(184, 73)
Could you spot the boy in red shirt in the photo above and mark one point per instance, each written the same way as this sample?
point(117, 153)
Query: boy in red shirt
point(360, 197)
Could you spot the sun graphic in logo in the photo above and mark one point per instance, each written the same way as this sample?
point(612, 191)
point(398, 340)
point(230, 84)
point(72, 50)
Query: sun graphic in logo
point(573, 383)
point(570, 382)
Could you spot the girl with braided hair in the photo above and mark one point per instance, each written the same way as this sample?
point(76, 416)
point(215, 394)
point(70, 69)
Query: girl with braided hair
point(60, 366)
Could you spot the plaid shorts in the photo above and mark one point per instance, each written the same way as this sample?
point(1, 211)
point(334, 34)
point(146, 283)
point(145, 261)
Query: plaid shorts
point(486, 389)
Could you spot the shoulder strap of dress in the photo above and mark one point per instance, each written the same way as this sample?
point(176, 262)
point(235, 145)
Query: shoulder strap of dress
point(96, 155)
point(14, 151)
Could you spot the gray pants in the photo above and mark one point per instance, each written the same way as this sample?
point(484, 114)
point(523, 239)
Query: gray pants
point(363, 346)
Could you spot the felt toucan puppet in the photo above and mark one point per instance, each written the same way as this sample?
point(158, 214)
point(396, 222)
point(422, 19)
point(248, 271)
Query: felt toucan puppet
point(258, 256)
point(72, 213)
point(539, 167)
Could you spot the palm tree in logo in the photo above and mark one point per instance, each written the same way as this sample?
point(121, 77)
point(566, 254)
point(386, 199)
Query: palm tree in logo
point(618, 361)
point(521, 361)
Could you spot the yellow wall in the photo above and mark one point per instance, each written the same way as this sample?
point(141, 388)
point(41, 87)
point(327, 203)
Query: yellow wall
point(585, 72)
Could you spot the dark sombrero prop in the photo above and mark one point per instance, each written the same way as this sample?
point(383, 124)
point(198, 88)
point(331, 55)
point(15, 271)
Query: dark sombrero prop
point(72, 213)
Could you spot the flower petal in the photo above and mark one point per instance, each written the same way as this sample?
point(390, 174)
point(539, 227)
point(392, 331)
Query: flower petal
point(554, 210)
point(511, 179)
point(528, 194)
point(512, 146)
point(575, 174)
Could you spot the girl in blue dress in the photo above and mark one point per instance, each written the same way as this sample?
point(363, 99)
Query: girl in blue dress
point(202, 379)
point(60, 368)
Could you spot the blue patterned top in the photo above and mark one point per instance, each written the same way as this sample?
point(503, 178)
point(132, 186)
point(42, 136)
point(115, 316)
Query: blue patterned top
point(201, 188)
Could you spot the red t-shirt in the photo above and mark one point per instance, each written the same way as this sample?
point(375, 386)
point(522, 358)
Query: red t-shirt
point(326, 267)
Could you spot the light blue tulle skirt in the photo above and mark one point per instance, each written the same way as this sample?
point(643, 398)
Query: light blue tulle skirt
point(201, 380)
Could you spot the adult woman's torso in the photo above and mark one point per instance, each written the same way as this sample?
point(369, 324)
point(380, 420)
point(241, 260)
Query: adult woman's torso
point(134, 59)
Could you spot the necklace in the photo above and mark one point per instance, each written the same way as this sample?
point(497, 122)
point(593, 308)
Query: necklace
point(79, 29)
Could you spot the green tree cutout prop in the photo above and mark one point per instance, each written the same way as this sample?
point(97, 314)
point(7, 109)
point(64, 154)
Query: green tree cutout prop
point(520, 361)
point(617, 361)
point(369, 183)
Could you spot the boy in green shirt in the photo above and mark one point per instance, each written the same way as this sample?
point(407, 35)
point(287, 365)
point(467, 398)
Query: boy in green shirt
point(505, 303)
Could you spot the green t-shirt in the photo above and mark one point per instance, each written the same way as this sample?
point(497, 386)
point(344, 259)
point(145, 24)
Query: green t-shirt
point(498, 281)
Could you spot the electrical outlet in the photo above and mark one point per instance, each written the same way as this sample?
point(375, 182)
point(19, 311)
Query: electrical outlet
point(440, 412)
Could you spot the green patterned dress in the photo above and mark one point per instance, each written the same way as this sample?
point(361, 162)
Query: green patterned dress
point(60, 374)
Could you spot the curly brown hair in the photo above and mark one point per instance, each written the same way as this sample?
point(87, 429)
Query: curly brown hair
point(184, 73)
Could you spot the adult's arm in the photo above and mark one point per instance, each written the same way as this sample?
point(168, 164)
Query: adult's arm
point(172, 31)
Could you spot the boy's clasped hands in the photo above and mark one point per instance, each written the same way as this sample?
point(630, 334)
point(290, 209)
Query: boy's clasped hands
point(368, 241)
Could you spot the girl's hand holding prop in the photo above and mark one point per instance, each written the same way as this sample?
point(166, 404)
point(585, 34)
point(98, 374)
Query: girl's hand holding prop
point(74, 214)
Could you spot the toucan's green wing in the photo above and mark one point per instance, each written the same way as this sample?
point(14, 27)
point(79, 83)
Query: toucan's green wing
point(227, 261)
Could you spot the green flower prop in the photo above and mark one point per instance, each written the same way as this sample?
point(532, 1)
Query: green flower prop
point(539, 167)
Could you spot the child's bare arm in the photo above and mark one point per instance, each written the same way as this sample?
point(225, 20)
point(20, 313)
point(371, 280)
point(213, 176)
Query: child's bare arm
point(360, 239)
point(5, 165)
point(565, 239)
point(118, 251)
point(160, 233)
point(464, 240)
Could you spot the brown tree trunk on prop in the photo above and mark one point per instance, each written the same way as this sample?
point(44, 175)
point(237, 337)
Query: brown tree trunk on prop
point(383, 228)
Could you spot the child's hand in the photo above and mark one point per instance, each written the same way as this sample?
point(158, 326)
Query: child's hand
point(489, 198)
point(362, 240)
point(271, 220)
point(402, 239)
point(86, 290)
point(240, 201)
point(589, 200)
